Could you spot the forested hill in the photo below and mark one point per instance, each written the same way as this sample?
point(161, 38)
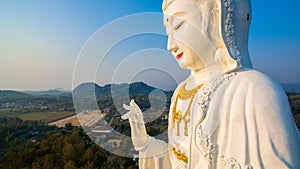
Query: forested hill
point(90, 90)
point(11, 95)
point(32, 144)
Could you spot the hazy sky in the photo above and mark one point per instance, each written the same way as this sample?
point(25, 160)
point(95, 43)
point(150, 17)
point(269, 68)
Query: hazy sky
point(40, 41)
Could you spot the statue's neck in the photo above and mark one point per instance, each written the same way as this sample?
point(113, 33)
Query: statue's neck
point(202, 76)
point(196, 78)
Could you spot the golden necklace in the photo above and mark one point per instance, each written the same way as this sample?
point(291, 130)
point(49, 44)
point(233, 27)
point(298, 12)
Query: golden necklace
point(183, 94)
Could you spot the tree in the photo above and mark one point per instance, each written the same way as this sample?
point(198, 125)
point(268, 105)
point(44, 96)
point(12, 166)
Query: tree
point(68, 126)
point(70, 165)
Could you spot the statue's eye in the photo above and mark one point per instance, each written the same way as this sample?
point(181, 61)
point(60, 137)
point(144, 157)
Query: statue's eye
point(178, 25)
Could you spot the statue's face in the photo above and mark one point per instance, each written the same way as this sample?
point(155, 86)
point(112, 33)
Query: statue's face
point(187, 40)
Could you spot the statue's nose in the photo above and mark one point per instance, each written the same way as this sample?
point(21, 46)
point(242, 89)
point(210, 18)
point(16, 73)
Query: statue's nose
point(172, 45)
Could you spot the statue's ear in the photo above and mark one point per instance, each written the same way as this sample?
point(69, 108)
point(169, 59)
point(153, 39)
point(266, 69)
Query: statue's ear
point(223, 58)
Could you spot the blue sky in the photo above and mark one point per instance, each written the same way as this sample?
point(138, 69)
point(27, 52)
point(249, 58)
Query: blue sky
point(40, 41)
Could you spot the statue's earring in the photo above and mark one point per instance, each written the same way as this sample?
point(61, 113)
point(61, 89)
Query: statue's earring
point(220, 55)
point(223, 58)
point(220, 52)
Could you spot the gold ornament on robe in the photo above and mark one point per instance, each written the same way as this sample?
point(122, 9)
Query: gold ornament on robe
point(178, 116)
point(179, 155)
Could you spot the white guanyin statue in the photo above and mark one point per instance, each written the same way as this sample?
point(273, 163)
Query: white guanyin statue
point(225, 114)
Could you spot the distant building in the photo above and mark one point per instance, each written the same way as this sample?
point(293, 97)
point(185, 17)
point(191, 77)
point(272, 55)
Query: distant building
point(164, 117)
point(165, 114)
point(102, 131)
point(136, 159)
point(35, 139)
point(44, 107)
point(34, 132)
point(107, 110)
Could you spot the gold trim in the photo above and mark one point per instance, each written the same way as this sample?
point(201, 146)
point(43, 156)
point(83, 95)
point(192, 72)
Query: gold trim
point(179, 155)
point(184, 94)
point(178, 116)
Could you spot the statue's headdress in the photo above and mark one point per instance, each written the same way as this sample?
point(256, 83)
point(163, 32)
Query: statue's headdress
point(234, 22)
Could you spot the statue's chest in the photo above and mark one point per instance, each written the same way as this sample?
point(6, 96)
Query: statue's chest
point(184, 116)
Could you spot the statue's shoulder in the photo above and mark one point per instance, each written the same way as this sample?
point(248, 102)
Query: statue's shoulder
point(252, 76)
point(256, 79)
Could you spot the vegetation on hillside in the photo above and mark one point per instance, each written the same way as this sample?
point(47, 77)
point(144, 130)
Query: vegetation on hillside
point(31, 144)
point(294, 99)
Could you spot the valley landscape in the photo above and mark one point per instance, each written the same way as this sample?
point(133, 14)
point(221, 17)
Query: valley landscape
point(42, 130)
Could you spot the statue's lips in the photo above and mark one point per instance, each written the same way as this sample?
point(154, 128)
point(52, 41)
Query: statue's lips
point(179, 55)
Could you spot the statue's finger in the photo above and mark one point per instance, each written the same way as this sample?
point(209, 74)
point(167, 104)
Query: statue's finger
point(125, 116)
point(133, 104)
point(126, 107)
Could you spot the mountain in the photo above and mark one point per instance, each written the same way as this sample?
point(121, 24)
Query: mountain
point(52, 92)
point(86, 90)
point(90, 95)
point(12, 95)
point(291, 87)
point(62, 90)
point(89, 90)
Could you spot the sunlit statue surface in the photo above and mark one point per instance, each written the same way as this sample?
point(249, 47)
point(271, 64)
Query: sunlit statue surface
point(224, 115)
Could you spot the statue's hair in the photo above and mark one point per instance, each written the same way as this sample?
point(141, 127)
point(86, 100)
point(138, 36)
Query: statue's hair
point(209, 10)
point(205, 5)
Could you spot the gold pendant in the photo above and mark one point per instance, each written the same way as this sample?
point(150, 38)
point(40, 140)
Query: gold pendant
point(183, 94)
point(178, 117)
point(186, 121)
point(178, 131)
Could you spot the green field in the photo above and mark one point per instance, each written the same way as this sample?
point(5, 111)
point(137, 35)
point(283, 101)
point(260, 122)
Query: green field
point(8, 112)
point(39, 116)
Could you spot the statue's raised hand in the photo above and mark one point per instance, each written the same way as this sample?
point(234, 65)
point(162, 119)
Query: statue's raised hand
point(137, 125)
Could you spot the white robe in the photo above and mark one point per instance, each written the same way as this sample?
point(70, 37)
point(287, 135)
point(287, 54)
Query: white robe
point(248, 124)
